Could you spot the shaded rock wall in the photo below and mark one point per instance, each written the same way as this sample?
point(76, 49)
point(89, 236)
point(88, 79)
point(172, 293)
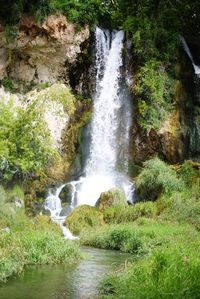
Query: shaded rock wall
point(176, 139)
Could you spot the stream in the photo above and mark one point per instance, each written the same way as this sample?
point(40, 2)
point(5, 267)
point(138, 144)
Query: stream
point(77, 281)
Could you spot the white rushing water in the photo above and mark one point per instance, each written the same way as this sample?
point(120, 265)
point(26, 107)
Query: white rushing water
point(107, 162)
point(187, 50)
point(107, 125)
point(53, 204)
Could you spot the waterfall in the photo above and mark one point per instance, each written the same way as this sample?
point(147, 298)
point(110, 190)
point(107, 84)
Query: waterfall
point(194, 128)
point(110, 124)
point(106, 165)
point(187, 50)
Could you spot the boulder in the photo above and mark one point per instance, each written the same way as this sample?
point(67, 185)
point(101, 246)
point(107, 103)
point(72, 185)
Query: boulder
point(113, 197)
point(65, 194)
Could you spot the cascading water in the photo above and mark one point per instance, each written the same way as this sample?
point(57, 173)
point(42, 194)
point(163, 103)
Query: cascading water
point(106, 166)
point(107, 124)
point(187, 50)
point(194, 131)
point(53, 204)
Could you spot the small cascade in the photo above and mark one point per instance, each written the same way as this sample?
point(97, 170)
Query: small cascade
point(187, 50)
point(53, 204)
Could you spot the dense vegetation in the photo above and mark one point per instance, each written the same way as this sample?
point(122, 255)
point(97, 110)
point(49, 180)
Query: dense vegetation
point(163, 235)
point(154, 26)
point(25, 241)
point(25, 144)
point(162, 232)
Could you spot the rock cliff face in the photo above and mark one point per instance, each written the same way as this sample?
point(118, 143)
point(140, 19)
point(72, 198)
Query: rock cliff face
point(41, 52)
point(176, 140)
point(169, 143)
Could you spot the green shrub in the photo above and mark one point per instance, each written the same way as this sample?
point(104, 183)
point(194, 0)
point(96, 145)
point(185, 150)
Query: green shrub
point(117, 214)
point(25, 144)
point(184, 206)
point(82, 217)
point(154, 91)
point(188, 173)
point(156, 178)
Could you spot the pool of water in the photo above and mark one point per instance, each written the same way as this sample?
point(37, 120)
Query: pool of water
point(78, 281)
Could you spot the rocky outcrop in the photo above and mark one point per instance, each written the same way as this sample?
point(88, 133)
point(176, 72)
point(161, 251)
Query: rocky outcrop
point(59, 169)
point(62, 116)
point(172, 142)
point(169, 143)
point(113, 197)
point(41, 52)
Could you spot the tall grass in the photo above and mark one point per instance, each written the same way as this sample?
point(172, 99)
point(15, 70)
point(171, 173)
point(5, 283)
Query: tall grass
point(139, 238)
point(18, 250)
point(115, 214)
point(25, 241)
point(168, 272)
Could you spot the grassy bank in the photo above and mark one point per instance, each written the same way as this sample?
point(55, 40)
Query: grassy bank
point(163, 235)
point(25, 241)
point(138, 238)
point(168, 272)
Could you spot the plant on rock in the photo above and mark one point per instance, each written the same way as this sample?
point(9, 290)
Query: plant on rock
point(25, 144)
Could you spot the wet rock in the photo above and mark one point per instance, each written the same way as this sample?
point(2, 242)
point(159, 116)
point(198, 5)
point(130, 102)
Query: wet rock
point(112, 197)
point(170, 143)
point(65, 194)
point(66, 209)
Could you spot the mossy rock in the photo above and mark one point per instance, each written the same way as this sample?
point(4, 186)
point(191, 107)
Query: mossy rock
point(83, 217)
point(65, 194)
point(113, 197)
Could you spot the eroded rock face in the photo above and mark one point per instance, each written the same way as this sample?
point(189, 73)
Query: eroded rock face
point(41, 52)
point(169, 143)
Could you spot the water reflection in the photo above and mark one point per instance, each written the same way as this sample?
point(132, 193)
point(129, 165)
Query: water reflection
point(64, 282)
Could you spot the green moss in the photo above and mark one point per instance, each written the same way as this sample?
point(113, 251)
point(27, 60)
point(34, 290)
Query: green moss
point(83, 216)
point(44, 223)
point(113, 197)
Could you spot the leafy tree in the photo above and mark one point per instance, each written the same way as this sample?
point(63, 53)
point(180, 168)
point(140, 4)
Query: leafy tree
point(25, 145)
